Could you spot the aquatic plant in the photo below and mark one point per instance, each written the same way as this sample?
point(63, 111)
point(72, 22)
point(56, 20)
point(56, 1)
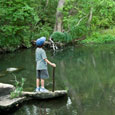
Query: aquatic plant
point(19, 88)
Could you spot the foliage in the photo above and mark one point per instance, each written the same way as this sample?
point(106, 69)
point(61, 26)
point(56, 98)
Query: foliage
point(46, 11)
point(58, 36)
point(24, 21)
point(19, 88)
point(17, 20)
point(103, 13)
point(63, 37)
point(45, 30)
point(97, 37)
point(109, 31)
point(77, 14)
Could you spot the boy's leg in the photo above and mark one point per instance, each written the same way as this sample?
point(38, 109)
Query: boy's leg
point(42, 83)
point(37, 83)
point(42, 86)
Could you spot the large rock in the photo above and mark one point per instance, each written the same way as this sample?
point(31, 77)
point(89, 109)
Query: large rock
point(5, 89)
point(45, 95)
point(6, 103)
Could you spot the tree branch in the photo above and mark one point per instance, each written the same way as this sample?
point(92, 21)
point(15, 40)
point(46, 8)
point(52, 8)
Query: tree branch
point(47, 3)
point(90, 16)
point(53, 44)
point(81, 20)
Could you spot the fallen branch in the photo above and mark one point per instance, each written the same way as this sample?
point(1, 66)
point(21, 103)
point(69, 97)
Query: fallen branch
point(53, 44)
point(82, 38)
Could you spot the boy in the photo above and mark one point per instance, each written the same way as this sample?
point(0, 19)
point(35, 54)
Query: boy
point(41, 67)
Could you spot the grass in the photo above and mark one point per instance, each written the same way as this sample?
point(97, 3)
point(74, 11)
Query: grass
point(103, 36)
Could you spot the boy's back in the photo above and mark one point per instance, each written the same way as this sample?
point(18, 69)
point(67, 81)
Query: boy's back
point(40, 56)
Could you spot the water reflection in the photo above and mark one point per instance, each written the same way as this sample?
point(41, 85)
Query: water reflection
point(46, 107)
point(88, 72)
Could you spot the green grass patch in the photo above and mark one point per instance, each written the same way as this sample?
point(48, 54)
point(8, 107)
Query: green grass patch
point(109, 31)
point(103, 36)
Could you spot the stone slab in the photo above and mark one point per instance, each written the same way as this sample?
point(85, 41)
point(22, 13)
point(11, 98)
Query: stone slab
point(45, 95)
point(5, 89)
point(6, 103)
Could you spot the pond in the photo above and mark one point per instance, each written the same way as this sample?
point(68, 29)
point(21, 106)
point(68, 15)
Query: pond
point(88, 72)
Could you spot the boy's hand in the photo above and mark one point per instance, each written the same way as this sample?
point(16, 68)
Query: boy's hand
point(53, 65)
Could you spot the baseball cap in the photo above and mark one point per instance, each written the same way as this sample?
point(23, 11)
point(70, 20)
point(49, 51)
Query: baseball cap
point(40, 41)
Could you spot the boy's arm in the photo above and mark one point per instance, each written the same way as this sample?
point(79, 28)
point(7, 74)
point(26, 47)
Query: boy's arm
point(52, 64)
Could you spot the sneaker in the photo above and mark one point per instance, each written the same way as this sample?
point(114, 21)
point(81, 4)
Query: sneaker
point(37, 89)
point(43, 90)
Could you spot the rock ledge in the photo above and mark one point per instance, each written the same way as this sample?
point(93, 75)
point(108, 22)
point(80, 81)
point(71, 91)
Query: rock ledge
point(6, 103)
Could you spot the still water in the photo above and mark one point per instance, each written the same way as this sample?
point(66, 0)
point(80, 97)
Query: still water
point(88, 72)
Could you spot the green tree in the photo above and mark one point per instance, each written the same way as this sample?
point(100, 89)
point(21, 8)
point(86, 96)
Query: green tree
point(82, 17)
point(16, 25)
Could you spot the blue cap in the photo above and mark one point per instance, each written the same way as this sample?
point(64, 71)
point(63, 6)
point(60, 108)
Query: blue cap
point(40, 41)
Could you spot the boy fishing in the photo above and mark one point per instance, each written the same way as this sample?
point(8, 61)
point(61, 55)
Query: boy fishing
point(41, 65)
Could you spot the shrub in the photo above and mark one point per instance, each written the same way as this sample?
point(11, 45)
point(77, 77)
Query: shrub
point(62, 37)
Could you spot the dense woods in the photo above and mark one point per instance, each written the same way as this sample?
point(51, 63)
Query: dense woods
point(63, 20)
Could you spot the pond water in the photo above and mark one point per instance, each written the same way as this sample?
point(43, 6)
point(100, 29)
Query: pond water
point(88, 72)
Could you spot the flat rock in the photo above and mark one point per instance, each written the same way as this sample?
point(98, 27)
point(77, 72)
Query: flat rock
point(5, 89)
point(45, 95)
point(6, 103)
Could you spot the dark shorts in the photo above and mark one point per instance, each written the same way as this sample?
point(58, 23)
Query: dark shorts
point(42, 74)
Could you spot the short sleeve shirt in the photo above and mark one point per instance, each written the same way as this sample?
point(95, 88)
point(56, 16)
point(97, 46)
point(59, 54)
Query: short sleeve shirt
point(40, 55)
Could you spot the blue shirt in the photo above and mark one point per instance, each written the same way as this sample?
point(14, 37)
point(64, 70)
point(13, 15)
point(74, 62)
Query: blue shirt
point(40, 55)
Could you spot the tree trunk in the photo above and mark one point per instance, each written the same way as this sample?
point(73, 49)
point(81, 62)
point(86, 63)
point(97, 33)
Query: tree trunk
point(90, 16)
point(47, 3)
point(59, 16)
